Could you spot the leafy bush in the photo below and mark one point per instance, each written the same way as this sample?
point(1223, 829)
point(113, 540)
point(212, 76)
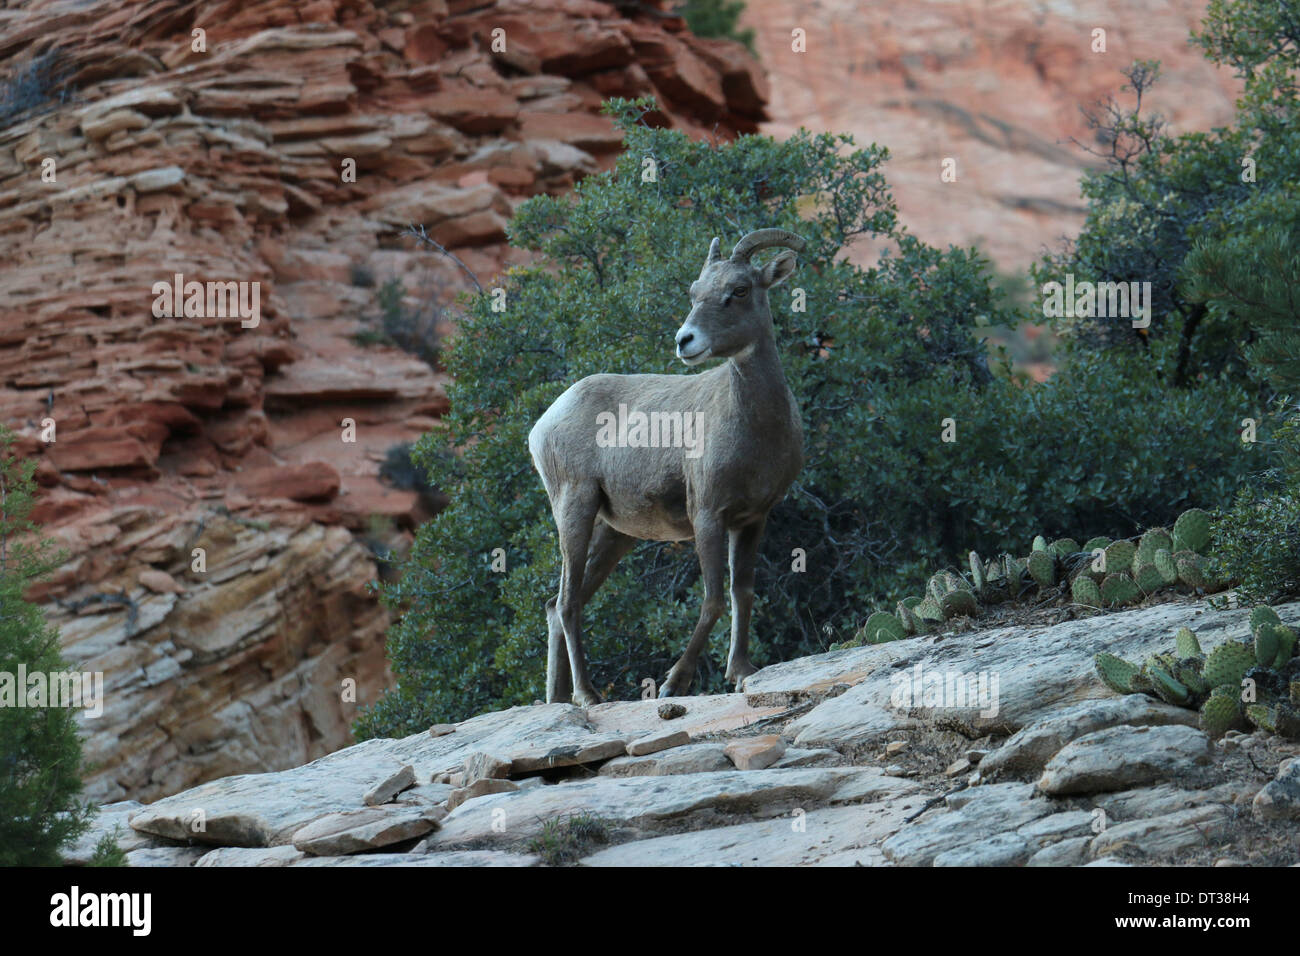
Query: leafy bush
point(40, 753)
point(412, 329)
point(877, 357)
point(716, 18)
point(107, 852)
point(568, 839)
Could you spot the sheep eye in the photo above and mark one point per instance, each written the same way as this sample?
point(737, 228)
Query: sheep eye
point(741, 292)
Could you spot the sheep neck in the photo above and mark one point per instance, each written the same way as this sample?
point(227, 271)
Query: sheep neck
point(757, 385)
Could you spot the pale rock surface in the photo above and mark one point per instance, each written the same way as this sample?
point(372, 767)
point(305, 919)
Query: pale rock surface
point(1280, 798)
point(650, 802)
point(1039, 670)
point(251, 856)
point(1194, 827)
point(356, 831)
point(1118, 758)
point(1026, 751)
point(387, 789)
point(755, 753)
point(692, 758)
point(654, 743)
point(788, 840)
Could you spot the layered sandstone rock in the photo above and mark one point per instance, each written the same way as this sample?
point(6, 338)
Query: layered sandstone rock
point(1090, 776)
point(233, 164)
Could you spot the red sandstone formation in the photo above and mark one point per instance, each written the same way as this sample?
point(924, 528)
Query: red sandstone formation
point(996, 85)
point(194, 434)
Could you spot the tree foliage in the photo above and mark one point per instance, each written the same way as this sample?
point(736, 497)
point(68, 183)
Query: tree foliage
point(40, 752)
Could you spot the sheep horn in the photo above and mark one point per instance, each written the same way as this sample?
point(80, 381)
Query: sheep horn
point(764, 239)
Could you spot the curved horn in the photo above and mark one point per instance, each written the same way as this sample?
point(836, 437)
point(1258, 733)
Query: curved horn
point(715, 255)
point(764, 239)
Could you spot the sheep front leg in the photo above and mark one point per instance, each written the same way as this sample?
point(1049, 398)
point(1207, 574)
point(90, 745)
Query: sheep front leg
point(744, 558)
point(711, 547)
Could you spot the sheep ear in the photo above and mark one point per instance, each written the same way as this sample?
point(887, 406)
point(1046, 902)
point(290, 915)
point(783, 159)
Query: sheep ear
point(778, 270)
point(715, 254)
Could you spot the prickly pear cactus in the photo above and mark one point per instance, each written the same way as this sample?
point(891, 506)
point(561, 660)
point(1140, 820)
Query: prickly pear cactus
point(881, 628)
point(1221, 712)
point(1116, 673)
point(1191, 569)
point(1156, 539)
point(1119, 556)
point(1085, 591)
point(1064, 546)
point(1042, 567)
point(1185, 643)
point(1192, 530)
point(1148, 578)
point(1227, 664)
point(1118, 590)
point(959, 602)
point(1217, 682)
point(1164, 562)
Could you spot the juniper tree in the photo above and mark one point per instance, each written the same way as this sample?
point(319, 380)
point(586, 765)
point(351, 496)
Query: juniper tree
point(40, 751)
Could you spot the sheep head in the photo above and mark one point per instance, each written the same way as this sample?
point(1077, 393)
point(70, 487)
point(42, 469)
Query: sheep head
point(729, 310)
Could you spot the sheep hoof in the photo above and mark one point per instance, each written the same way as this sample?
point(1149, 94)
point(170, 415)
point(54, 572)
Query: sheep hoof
point(738, 671)
point(674, 687)
point(586, 698)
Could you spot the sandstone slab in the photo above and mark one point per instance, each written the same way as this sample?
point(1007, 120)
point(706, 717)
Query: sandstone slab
point(797, 839)
point(994, 681)
point(1032, 746)
point(647, 803)
point(358, 831)
point(1280, 798)
point(1158, 836)
point(755, 753)
point(692, 758)
point(1122, 757)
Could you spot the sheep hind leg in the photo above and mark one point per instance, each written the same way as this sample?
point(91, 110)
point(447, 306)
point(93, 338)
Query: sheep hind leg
point(607, 548)
point(575, 517)
point(559, 681)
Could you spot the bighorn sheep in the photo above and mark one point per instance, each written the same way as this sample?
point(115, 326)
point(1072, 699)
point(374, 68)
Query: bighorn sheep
point(715, 482)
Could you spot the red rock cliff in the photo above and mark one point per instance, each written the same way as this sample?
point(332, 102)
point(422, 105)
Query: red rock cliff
point(187, 434)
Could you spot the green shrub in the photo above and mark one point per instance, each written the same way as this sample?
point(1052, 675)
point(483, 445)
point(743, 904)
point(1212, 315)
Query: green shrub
point(716, 18)
point(40, 753)
point(568, 839)
point(877, 357)
point(412, 329)
point(107, 852)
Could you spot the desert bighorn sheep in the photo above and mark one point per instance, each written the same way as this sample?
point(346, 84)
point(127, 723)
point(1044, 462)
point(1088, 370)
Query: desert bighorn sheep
point(714, 482)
